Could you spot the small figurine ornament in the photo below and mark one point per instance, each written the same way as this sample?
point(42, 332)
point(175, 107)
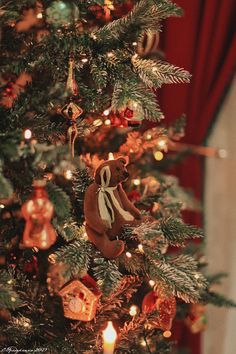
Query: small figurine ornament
point(196, 320)
point(37, 212)
point(80, 299)
point(107, 208)
point(166, 307)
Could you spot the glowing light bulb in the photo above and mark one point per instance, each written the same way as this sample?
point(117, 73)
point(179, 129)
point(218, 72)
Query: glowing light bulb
point(158, 155)
point(107, 122)
point(161, 143)
point(39, 15)
point(133, 310)
point(140, 247)
point(151, 282)
point(136, 181)
point(106, 112)
point(68, 174)
point(149, 137)
point(97, 122)
point(84, 60)
point(110, 54)
point(2, 206)
point(109, 338)
point(134, 44)
point(128, 255)
point(13, 299)
point(143, 343)
point(167, 334)
point(27, 134)
point(111, 156)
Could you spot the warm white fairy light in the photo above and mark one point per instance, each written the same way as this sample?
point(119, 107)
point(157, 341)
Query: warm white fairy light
point(136, 181)
point(134, 44)
point(39, 15)
point(27, 134)
point(13, 299)
point(133, 310)
point(149, 137)
point(158, 155)
point(107, 122)
point(84, 60)
point(128, 255)
point(10, 282)
point(167, 334)
point(2, 206)
point(110, 54)
point(161, 143)
point(143, 343)
point(106, 112)
point(151, 282)
point(68, 174)
point(140, 247)
point(97, 122)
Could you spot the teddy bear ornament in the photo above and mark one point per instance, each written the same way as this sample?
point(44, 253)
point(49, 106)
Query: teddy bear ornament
point(107, 208)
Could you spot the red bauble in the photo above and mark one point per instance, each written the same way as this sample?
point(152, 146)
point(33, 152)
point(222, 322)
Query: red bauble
point(165, 305)
point(38, 211)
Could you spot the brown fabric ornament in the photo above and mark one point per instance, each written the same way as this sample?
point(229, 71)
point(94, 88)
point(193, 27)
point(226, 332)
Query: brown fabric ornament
point(107, 208)
point(38, 211)
point(80, 299)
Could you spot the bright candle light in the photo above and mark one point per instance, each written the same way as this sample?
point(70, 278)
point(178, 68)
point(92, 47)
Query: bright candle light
point(109, 338)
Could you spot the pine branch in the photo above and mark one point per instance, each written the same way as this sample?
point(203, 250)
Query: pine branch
point(9, 298)
point(219, 300)
point(130, 90)
point(107, 274)
point(216, 278)
point(76, 255)
point(69, 229)
point(176, 232)
point(155, 74)
point(60, 200)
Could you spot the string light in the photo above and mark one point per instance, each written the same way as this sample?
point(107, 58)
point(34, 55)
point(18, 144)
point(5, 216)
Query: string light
point(110, 54)
point(140, 247)
point(143, 343)
point(136, 181)
point(158, 155)
point(151, 282)
point(27, 134)
point(84, 60)
point(107, 122)
point(106, 112)
point(68, 174)
point(2, 206)
point(133, 310)
point(10, 282)
point(97, 122)
point(13, 299)
point(167, 334)
point(39, 15)
point(134, 44)
point(128, 255)
point(149, 137)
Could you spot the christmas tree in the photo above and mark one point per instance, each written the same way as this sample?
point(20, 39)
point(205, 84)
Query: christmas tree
point(89, 266)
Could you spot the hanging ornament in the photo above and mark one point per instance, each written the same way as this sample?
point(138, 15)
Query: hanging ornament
point(80, 299)
point(71, 110)
point(116, 120)
point(196, 320)
point(148, 43)
point(133, 113)
point(62, 13)
point(166, 307)
point(38, 211)
point(108, 7)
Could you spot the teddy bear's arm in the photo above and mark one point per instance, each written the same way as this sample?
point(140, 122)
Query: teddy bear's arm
point(127, 204)
point(91, 212)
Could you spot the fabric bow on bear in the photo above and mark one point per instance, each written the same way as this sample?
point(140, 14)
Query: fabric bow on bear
point(107, 208)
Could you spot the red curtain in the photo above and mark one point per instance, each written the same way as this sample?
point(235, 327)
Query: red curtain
point(202, 41)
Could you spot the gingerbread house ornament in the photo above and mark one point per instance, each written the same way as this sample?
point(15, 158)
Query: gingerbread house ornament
point(80, 299)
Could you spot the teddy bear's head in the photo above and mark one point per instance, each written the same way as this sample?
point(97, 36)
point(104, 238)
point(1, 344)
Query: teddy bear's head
point(112, 172)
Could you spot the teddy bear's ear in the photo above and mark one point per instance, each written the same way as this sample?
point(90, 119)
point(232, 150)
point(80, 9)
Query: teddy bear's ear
point(124, 160)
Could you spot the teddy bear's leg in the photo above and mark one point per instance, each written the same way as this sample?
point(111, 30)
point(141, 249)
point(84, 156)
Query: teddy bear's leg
point(109, 249)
